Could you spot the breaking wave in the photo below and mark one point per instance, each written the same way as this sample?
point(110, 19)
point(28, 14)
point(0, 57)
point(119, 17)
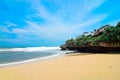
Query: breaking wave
point(12, 56)
point(30, 49)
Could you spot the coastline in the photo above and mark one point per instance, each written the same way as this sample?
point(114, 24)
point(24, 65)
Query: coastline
point(31, 60)
point(38, 53)
point(69, 67)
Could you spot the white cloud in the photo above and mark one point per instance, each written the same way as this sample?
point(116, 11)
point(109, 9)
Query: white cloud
point(56, 26)
point(67, 21)
point(7, 26)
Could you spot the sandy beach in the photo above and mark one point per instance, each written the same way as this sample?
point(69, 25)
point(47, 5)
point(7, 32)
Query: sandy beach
point(68, 67)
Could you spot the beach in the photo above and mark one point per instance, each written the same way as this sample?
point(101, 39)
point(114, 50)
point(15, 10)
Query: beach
point(69, 67)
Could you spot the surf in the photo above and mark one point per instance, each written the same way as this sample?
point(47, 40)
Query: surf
point(30, 49)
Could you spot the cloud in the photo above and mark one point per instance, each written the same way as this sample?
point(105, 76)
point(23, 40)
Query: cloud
point(62, 27)
point(67, 21)
point(7, 27)
point(56, 23)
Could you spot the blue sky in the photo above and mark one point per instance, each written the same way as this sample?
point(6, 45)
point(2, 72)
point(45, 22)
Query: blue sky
point(25, 23)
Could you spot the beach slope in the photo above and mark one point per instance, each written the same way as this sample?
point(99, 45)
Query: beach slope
point(69, 67)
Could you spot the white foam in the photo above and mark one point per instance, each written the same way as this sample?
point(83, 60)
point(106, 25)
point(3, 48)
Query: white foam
point(30, 49)
point(30, 60)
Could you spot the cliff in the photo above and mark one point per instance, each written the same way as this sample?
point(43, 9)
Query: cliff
point(105, 39)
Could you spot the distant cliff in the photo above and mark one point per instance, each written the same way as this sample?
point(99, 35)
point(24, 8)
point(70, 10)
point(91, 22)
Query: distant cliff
point(104, 39)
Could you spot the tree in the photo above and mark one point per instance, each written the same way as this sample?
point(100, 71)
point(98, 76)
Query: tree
point(118, 25)
point(109, 34)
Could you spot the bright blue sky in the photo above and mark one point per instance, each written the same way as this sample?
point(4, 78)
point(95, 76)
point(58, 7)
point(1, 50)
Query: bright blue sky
point(51, 22)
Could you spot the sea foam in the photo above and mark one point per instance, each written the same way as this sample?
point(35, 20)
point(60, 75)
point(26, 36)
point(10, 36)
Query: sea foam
point(30, 49)
point(48, 52)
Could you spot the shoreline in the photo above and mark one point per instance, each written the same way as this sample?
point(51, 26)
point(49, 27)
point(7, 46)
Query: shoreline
point(30, 60)
point(69, 67)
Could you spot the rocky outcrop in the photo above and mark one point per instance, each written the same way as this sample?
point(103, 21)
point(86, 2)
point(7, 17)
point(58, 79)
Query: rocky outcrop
point(63, 47)
point(110, 44)
point(105, 39)
point(93, 49)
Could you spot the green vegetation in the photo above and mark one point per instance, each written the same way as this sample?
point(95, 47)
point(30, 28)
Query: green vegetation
point(105, 34)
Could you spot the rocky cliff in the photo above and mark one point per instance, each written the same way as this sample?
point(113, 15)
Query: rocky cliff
point(105, 39)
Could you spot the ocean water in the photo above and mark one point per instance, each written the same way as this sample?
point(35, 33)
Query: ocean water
point(9, 56)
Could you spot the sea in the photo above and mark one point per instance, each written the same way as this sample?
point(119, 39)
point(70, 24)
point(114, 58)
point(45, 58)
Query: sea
point(12, 56)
